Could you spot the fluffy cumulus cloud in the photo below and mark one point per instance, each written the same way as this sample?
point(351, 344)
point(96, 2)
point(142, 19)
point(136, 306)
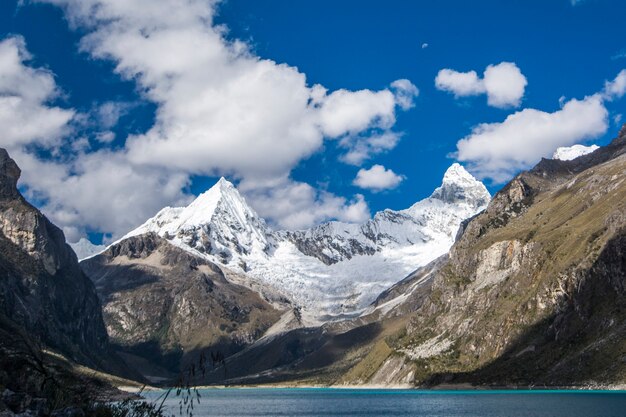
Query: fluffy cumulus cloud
point(498, 150)
point(26, 94)
point(504, 84)
point(297, 205)
point(360, 149)
point(221, 110)
point(377, 178)
point(99, 191)
point(615, 88)
point(405, 93)
point(80, 191)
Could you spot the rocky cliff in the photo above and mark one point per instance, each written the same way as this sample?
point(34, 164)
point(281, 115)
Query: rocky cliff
point(43, 289)
point(531, 293)
point(164, 306)
point(533, 290)
point(50, 316)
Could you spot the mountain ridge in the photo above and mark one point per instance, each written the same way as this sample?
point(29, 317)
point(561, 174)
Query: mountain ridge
point(531, 294)
point(309, 265)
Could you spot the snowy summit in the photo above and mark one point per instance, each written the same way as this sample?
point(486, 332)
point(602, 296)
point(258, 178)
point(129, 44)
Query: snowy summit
point(85, 249)
point(567, 153)
point(331, 270)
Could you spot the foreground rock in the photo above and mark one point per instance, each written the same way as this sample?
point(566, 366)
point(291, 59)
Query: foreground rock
point(50, 315)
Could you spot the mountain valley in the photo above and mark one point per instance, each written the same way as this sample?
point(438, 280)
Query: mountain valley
point(459, 288)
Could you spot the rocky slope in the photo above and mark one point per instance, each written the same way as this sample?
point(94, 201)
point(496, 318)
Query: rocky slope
point(164, 306)
point(331, 271)
point(50, 317)
point(532, 293)
point(43, 289)
point(533, 290)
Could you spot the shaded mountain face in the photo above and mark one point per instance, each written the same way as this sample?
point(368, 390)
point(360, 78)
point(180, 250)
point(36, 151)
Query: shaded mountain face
point(163, 306)
point(42, 288)
point(331, 271)
point(534, 289)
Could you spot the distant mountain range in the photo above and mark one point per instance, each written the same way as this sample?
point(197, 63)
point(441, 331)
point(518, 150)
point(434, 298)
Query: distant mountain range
point(532, 293)
point(525, 288)
point(265, 282)
point(333, 270)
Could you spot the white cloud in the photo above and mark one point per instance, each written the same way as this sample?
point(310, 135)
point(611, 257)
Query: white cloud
point(617, 119)
point(499, 150)
point(25, 93)
point(81, 191)
point(377, 178)
point(504, 84)
point(108, 113)
point(461, 84)
point(360, 149)
point(220, 110)
point(617, 87)
point(297, 205)
point(99, 191)
point(405, 92)
point(347, 112)
point(105, 137)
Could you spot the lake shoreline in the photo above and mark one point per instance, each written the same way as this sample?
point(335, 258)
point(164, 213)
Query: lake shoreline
point(434, 389)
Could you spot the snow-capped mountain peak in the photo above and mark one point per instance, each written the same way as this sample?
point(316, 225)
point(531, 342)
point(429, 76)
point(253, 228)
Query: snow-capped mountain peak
point(222, 197)
point(85, 249)
point(459, 187)
point(567, 153)
point(218, 222)
point(333, 269)
point(457, 174)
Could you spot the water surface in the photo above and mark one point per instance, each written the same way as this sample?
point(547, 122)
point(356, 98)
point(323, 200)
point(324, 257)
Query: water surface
point(366, 402)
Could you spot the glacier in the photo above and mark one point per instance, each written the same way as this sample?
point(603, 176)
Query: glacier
point(331, 271)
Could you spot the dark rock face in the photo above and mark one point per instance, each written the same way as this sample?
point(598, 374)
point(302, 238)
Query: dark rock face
point(316, 245)
point(9, 174)
point(50, 315)
point(164, 306)
point(42, 288)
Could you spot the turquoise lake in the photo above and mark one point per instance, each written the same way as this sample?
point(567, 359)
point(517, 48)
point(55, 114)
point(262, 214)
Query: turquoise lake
point(365, 402)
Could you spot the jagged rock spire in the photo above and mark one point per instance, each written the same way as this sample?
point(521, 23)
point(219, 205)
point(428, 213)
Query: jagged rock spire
point(9, 175)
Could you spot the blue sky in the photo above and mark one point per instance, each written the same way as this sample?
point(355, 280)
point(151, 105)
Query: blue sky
point(296, 172)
